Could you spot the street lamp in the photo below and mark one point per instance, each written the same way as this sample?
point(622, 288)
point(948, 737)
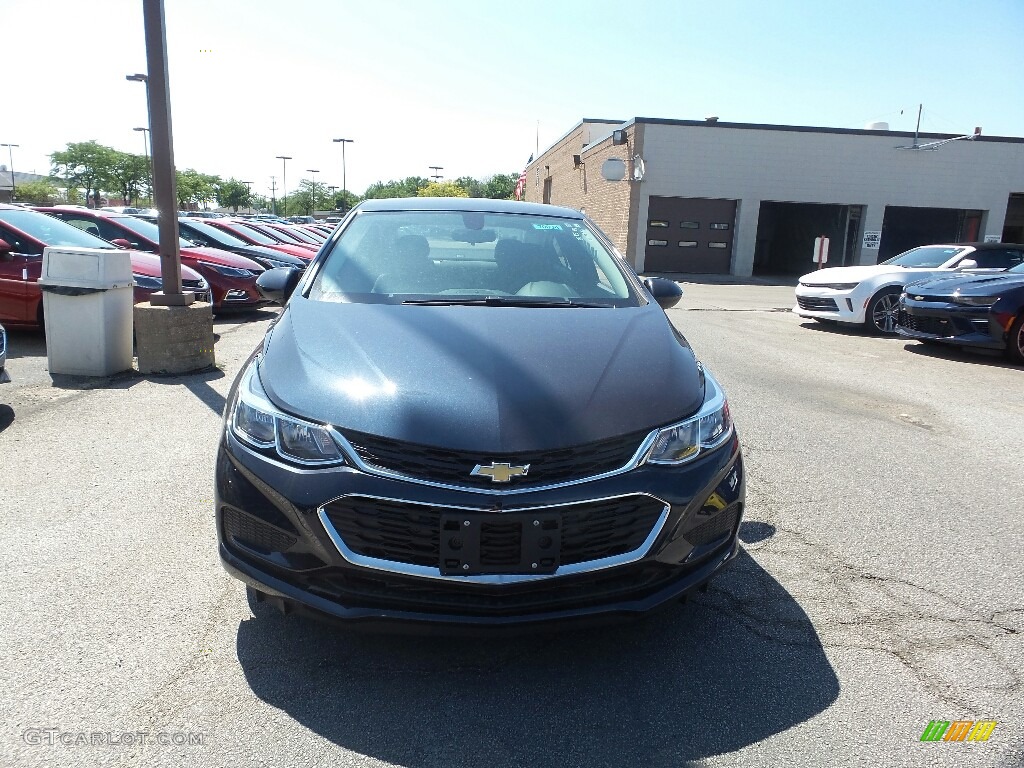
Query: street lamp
point(284, 181)
point(344, 181)
point(10, 157)
point(248, 194)
point(146, 137)
point(145, 146)
point(435, 169)
point(314, 172)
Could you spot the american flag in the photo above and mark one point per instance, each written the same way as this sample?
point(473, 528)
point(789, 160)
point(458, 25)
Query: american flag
point(521, 184)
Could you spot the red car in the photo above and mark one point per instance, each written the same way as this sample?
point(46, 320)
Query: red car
point(232, 278)
point(247, 232)
point(23, 235)
point(295, 232)
point(274, 230)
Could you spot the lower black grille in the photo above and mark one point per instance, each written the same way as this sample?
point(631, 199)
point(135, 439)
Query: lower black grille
point(254, 533)
point(716, 528)
point(445, 465)
point(816, 304)
point(936, 326)
point(410, 533)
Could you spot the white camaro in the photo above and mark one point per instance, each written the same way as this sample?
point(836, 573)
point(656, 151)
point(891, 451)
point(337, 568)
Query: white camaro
point(870, 295)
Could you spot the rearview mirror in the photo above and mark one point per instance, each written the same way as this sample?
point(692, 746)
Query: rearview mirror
point(967, 264)
point(666, 292)
point(278, 284)
point(474, 236)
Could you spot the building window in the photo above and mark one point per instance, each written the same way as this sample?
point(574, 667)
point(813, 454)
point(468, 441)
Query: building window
point(657, 223)
point(689, 224)
point(719, 225)
point(687, 243)
point(659, 243)
point(718, 245)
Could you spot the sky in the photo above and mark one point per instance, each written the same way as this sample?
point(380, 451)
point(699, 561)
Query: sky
point(474, 86)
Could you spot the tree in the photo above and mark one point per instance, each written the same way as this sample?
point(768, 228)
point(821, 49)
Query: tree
point(84, 164)
point(42, 192)
point(127, 174)
point(501, 186)
point(473, 187)
point(310, 194)
point(443, 189)
point(409, 187)
point(233, 194)
point(344, 199)
point(195, 187)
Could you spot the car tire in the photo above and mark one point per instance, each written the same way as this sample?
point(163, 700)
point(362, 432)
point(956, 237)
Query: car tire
point(882, 312)
point(1015, 341)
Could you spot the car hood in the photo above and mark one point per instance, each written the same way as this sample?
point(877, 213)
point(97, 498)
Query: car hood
point(969, 284)
point(501, 379)
point(223, 258)
point(297, 251)
point(145, 263)
point(859, 274)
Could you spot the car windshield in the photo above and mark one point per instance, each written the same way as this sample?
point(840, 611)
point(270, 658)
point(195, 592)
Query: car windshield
point(255, 235)
point(217, 235)
point(147, 230)
point(1018, 268)
point(925, 256)
point(51, 231)
point(455, 257)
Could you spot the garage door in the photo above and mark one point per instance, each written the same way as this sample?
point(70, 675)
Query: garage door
point(689, 234)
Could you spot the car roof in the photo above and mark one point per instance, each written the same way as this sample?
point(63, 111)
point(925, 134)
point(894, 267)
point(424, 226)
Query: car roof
point(477, 204)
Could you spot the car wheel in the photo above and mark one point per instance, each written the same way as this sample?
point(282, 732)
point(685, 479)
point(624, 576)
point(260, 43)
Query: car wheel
point(1015, 342)
point(883, 311)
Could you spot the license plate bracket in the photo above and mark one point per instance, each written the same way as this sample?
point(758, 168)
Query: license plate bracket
point(474, 544)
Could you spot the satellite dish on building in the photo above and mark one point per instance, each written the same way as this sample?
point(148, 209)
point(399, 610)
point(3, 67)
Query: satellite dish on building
point(613, 169)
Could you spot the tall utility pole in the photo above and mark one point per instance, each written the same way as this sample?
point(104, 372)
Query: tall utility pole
point(435, 168)
point(273, 194)
point(344, 180)
point(284, 181)
point(313, 193)
point(10, 158)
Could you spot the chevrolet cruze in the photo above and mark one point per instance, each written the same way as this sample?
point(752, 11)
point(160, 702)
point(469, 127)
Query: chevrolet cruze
point(473, 412)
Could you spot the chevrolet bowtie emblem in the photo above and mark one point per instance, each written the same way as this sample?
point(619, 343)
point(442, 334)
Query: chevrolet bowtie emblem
point(500, 473)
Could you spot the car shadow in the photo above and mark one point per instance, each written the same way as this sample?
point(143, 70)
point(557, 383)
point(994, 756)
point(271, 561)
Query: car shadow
point(990, 358)
point(728, 670)
point(846, 329)
point(25, 342)
point(6, 415)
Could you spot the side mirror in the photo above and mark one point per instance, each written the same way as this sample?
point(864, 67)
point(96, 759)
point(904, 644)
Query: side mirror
point(967, 264)
point(120, 242)
point(278, 284)
point(666, 292)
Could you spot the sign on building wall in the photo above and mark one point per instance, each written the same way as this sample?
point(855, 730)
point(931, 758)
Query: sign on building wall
point(872, 240)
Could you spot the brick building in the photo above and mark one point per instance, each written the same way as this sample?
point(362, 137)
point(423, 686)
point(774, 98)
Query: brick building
point(736, 198)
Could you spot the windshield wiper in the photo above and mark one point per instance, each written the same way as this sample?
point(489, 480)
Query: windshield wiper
point(502, 301)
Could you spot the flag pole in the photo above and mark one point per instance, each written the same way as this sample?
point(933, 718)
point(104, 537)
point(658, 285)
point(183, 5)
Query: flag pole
point(536, 152)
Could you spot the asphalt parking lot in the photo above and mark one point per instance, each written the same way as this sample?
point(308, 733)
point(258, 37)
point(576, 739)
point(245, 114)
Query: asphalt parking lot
point(880, 584)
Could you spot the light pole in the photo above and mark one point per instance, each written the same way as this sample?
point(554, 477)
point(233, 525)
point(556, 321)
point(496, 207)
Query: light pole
point(10, 158)
point(248, 195)
point(284, 181)
point(344, 180)
point(435, 169)
point(313, 192)
point(145, 147)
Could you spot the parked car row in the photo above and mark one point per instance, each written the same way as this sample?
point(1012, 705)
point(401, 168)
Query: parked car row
point(962, 294)
point(220, 257)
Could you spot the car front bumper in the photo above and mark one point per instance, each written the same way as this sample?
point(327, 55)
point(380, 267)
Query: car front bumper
point(949, 323)
point(823, 303)
point(275, 530)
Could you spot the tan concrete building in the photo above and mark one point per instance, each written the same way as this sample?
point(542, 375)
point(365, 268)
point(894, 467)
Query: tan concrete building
point(736, 198)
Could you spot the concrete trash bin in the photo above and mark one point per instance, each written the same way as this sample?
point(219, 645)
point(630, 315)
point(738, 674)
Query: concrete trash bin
point(87, 309)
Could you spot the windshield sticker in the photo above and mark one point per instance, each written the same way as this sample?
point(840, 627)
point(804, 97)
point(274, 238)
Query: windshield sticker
point(547, 226)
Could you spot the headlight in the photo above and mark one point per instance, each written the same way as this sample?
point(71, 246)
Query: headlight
point(226, 271)
point(839, 286)
point(255, 421)
point(145, 281)
point(975, 301)
point(705, 431)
